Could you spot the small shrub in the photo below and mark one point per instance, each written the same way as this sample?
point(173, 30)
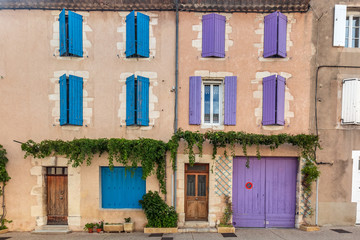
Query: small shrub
point(227, 213)
point(127, 220)
point(158, 213)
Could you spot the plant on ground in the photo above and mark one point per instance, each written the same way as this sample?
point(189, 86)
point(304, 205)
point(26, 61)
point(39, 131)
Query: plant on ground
point(127, 220)
point(4, 178)
point(225, 221)
point(89, 226)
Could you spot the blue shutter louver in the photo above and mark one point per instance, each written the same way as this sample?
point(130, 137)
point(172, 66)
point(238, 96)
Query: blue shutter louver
point(142, 31)
point(63, 101)
point(130, 100)
point(75, 100)
point(142, 101)
point(130, 34)
point(62, 30)
point(75, 34)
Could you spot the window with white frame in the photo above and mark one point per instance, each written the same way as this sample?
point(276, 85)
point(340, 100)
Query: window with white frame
point(352, 30)
point(350, 109)
point(212, 102)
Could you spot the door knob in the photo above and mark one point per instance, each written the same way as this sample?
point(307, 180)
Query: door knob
point(61, 198)
point(196, 198)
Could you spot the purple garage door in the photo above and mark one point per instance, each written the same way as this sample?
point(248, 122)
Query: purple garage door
point(264, 195)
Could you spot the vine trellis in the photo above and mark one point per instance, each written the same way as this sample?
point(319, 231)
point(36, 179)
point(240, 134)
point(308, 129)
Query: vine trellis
point(151, 154)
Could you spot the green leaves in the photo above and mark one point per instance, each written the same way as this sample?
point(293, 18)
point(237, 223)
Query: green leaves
point(4, 176)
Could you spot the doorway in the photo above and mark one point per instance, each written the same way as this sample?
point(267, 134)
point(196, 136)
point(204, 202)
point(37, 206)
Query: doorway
point(57, 195)
point(356, 183)
point(196, 192)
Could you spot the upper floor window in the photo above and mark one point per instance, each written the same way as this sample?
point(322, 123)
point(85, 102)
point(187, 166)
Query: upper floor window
point(137, 35)
point(352, 30)
point(137, 101)
point(213, 35)
point(350, 109)
point(71, 34)
point(212, 101)
point(275, 28)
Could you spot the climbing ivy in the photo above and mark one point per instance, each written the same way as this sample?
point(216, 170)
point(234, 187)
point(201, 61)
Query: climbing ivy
point(4, 178)
point(149, 153)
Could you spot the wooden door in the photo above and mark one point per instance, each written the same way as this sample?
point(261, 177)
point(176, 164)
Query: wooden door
point(196, 192)
point(57, 196)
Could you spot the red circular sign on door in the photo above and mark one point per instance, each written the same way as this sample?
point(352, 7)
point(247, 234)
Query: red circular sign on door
point(248, 185)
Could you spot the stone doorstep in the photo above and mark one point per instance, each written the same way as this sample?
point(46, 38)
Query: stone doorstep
point(196, 224)
point(52, 229)
point(198, 230)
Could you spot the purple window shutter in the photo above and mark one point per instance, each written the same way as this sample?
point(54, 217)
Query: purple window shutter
point(269, 99)
point(270, 35)
point(282, 27)
point(230, 100)
point(280, 100)
point(195, 100)
point(213, 35)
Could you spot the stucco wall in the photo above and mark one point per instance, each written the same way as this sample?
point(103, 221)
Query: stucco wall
point(28, 61)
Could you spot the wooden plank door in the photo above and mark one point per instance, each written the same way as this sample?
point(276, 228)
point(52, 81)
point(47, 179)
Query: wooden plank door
point(57, 199)
point(196, 195)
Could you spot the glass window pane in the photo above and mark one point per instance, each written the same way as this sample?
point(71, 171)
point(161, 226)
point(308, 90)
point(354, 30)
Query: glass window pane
point(347, 21)
point(59, 171)
point(207, 104)
point(190, 185)
point(355, 33)
point(197, 168)
point(356, 21)
point(216, 103)
point(201, 185)
point(65, 171)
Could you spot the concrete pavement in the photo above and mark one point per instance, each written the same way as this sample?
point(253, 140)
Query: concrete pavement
point(244, 233)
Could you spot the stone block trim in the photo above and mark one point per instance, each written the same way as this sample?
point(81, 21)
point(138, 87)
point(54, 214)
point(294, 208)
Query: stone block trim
point(55, 41)
point(258, 95)
point(153, 99)
point(260, 31)
point(54, 98)
point(197, 42)
point(121, 46)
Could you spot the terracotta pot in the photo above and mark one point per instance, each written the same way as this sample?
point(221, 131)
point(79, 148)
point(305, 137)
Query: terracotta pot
point(90, 230)
point(98, 230)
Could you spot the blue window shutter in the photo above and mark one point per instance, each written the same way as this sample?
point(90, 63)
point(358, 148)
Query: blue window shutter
point(63, 101)
point(282, 29)
point(142, 22)
point(121, 189)
point(130, 100)
point(195, 100)
point(230, 100)
point(75, 100)
point(130, 34)
point(269, 100)
point(75, 34)
point(142, 101)
point(62, 30)
point(213, 35)
point(280, 100)
point(270, 34)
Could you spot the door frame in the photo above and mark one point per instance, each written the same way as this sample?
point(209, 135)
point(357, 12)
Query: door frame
point(197, 172)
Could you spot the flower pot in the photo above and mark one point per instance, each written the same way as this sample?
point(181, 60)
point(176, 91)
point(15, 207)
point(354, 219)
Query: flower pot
point(98, 230)
point(129, 227)
point(309, 228)
point(114, 227)
point(90, 230)
point(226, 229)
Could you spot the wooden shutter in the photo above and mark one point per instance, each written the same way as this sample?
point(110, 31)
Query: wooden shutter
point(339, 25)
point(230, 100)
point(213, 35)
point(75, 34)
point(142, 102)
point(62, 30)
point(350, 109)
point(75, 100)
point(270, 34)
point(142, 22)
point(280, 100)
point(130, 100)
point(281, 35)
point(269, 99)
point(63, 101)
point(121, 189)
point(195, 100)
point(130, 34)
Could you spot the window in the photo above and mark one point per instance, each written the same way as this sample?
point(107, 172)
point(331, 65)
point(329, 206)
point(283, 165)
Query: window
point(71, 42)
point(71, 100)
point(121, 189)
point(137, 35)
point(275, 27)
point(206, 99)
point(350, 110)
point(137, 101)
point(213, 35)
point(273, 100)
point(352, 30)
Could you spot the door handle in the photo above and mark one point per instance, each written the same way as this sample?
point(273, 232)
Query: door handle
point(196, 198)
point(61, 198)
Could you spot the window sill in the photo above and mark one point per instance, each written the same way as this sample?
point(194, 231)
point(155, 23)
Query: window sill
point(214, 127)
point(273, 127)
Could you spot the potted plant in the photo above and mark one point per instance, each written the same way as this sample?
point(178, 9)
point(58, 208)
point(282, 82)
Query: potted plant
point(161, 218)
point(89, 227)
point(128, 225)
point(225, 225)
point(113, 227)
point(99, 226)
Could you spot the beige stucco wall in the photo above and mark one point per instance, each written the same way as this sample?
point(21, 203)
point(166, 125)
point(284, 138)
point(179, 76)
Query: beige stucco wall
point(29, 66)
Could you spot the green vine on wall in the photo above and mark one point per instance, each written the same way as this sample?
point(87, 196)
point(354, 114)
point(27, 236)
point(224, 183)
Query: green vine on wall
point(4, 178)
point(149, 153)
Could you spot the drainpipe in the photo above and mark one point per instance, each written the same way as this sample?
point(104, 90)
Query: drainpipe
point(176, 93)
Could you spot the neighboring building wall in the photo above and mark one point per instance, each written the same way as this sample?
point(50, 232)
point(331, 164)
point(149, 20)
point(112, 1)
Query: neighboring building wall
point(244, 39)
point(29, 70)
point(337, 140)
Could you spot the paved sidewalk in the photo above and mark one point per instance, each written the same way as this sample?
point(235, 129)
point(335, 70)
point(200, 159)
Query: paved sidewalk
point(245, 233)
